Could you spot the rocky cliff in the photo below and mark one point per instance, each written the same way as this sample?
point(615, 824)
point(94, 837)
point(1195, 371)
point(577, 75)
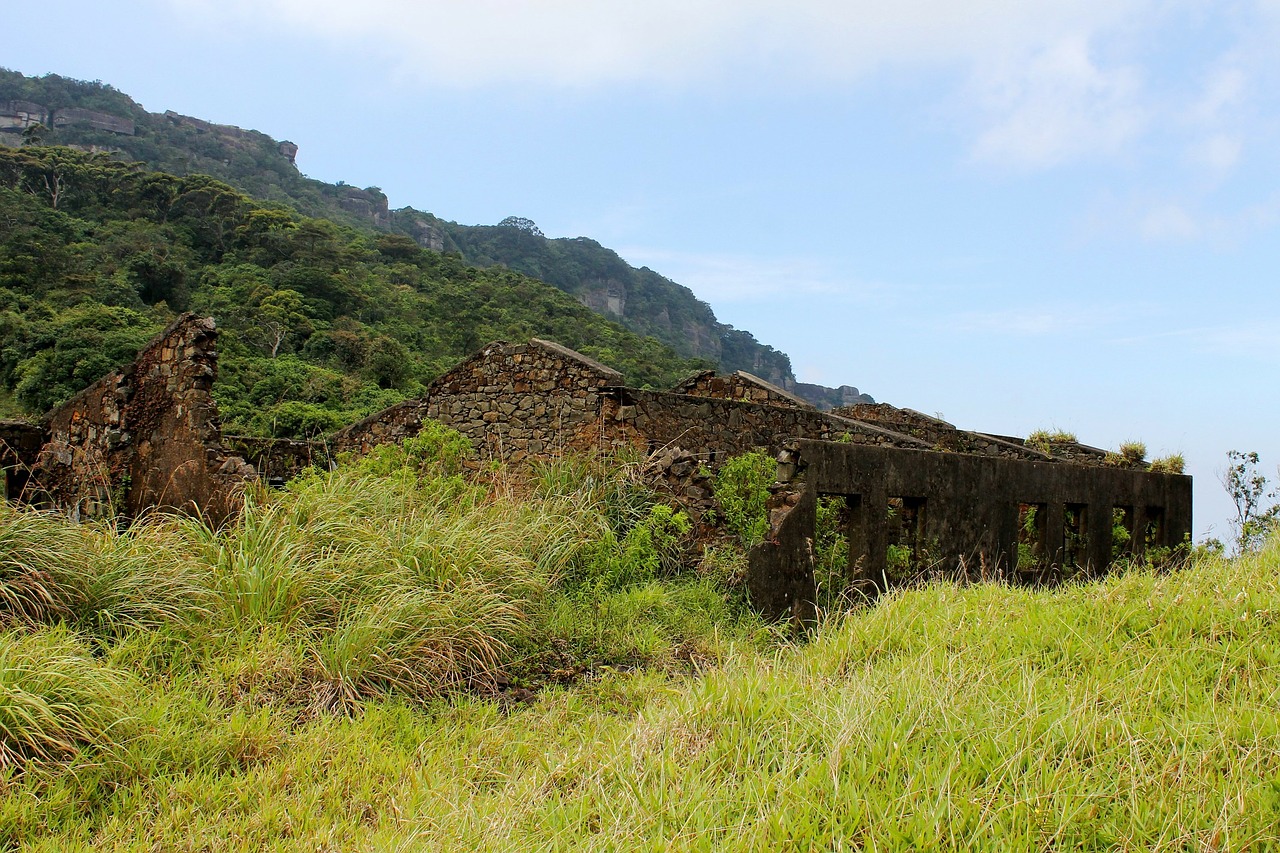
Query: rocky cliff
point(94, 116)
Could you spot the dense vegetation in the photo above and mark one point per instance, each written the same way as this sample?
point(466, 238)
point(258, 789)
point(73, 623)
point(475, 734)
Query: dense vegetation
point(396, 656)
point(321, 324)
point(252, 162)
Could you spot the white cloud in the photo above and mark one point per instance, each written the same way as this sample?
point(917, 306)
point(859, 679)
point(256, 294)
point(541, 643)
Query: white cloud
point(1173, 220)
point(590, 43)
point(1223, 90)
point(1168, 221)
point(1219, 153)
point(1037, 84)
point(1251, 339)
point(1058, 104)
point(1034, 321)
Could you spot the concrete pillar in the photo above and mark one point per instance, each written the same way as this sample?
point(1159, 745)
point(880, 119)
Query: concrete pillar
point(1138, 534)
point(1005, 560)
point(1098, 531)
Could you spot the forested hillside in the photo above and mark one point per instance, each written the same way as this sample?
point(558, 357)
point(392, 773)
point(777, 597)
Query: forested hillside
point(321, 323)
point(95, 116)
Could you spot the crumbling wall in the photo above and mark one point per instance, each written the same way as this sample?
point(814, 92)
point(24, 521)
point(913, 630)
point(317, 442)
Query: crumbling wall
point(20, 444)
point(513, 401)
point(276, 460)
point(714, 428)
point(739, 385)
point(148, 436)
point(145, 436)
point(940, 434)
point(539, 400)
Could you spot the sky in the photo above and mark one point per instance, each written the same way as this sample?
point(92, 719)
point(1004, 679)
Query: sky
point(1015, 214)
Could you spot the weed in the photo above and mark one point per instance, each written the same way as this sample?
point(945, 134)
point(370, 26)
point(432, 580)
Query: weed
point(1044, 440)
point(741, 489)
point(1174, 463)
point(1134, 452)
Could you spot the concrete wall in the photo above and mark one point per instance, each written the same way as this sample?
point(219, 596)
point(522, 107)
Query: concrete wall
point(964, 513)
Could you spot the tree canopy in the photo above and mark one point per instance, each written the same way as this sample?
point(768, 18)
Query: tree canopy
point(321, 324)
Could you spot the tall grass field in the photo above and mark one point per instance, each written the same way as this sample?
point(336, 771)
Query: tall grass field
point(402, 656)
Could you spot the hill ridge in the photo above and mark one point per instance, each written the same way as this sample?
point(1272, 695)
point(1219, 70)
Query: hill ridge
point(96, 117)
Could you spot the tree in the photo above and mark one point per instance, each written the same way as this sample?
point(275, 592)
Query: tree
point(522, 223)
point(1248, 491)
point(34, 134)
point(281, 316)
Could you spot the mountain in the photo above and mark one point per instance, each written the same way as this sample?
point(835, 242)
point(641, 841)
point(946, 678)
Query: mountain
point(321, 324)
point(96, 117)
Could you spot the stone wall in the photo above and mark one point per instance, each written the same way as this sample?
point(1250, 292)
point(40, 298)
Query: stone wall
point(148, 436)
point(143, 437)
point(739, 385)
point(276, 460)
point(713, 429)
point(940, 434)
point(513, 401)
point(540, 400)
point(20, 444)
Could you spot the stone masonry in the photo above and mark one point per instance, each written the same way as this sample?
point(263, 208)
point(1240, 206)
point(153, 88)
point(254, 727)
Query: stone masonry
point(148, 436)
point(144, 437)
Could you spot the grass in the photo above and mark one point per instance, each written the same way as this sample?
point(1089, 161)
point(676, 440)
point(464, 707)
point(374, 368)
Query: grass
point(335, 672)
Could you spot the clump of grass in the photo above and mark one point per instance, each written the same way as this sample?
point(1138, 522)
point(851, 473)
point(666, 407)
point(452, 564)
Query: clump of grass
point(416, 643)
point(1174, 463)
point(1134, 452)
point(43, 573)
point(1044, 439)
point(92, 576)
point(55, 699)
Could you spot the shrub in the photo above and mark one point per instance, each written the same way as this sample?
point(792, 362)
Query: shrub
point(741, 489)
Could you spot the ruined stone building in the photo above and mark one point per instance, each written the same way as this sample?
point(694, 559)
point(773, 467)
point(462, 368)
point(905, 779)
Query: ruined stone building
point(147, 436)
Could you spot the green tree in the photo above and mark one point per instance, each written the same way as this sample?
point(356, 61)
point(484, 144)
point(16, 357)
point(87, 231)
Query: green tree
point(1249, 491)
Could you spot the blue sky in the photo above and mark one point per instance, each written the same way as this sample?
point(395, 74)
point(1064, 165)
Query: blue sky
point(1015, 214)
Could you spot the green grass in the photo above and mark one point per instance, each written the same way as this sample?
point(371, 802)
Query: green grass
point(322, 675)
